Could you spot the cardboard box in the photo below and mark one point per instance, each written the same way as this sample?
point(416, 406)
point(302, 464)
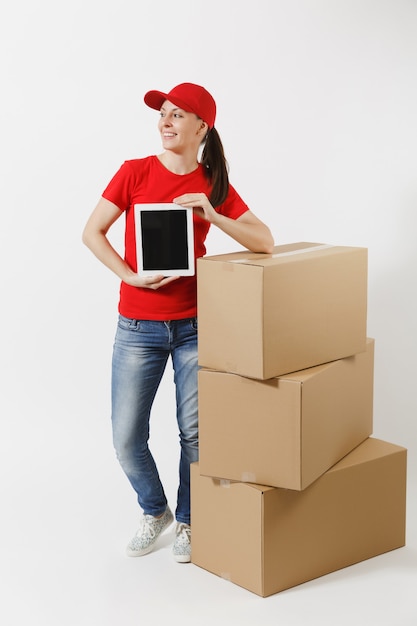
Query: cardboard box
point(267, 539)
point(264, 315)
point(287, 431)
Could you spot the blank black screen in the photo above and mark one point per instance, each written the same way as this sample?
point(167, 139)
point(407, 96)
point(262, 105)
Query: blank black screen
point(164, 239)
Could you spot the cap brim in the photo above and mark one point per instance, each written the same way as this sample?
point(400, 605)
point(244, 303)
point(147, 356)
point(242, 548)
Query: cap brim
point(155, 99)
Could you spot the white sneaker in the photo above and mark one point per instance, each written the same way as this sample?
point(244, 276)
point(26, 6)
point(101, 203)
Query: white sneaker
point(148, 532)
point(182, 546)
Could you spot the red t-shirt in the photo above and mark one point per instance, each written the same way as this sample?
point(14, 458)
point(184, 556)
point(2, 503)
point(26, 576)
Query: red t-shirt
point(148, 181)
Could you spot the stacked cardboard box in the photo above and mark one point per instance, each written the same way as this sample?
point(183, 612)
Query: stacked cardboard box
point(290, 484)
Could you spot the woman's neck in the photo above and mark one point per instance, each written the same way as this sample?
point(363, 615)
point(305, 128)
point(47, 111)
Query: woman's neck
point(178, 163)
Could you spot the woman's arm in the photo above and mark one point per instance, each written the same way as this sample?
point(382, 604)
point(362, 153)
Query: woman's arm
point(95, 238)
point(248, 230)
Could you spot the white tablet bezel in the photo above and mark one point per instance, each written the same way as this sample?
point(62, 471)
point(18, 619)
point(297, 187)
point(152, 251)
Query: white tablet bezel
point(168, 206)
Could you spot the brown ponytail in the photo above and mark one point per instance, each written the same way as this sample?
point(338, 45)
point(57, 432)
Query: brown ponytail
point(215, 167)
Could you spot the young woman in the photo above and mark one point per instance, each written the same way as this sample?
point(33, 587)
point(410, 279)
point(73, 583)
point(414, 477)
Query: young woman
point(157, 314)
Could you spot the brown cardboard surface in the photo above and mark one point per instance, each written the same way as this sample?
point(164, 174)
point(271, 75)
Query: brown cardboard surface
point(268, 539)
point(262, 316)
point(287, 431)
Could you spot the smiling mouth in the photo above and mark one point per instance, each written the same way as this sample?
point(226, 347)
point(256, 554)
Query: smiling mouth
point(169, 135)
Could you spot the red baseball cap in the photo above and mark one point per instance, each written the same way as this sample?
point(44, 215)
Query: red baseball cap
point(188, 96)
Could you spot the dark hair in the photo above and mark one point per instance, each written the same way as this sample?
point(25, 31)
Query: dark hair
point(215, 167)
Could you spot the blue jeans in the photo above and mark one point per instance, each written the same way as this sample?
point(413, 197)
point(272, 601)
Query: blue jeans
point(140, 354)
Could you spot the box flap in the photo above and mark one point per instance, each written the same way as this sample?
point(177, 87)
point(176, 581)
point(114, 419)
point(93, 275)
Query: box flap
point(368, 450)
point(246, 257)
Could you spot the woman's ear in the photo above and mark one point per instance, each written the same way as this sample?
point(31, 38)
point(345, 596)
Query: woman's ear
point(203, 130)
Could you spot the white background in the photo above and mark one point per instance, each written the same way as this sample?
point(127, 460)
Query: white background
point(317, 106)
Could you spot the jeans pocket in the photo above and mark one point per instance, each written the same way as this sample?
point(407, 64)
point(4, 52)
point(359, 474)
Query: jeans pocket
point(125, 323)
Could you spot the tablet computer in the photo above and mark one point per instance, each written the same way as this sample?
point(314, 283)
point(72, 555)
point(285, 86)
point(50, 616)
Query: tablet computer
point(164, 239)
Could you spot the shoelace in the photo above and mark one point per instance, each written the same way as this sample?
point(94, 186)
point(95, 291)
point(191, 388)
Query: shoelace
point(146, 528)
point(184, 529)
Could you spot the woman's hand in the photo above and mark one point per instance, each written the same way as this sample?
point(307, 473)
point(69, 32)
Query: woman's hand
point(248, 230)
point(149, 282)
point(201, 205)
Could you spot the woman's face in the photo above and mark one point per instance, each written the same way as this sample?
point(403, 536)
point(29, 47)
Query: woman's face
point(179, 129)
